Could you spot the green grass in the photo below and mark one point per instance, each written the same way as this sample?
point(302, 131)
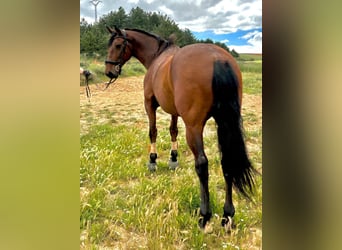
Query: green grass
point(124, 206)
point(250, 63)
point(118, 192)
point(252, 83)
point(250, 57)
point(250, 66)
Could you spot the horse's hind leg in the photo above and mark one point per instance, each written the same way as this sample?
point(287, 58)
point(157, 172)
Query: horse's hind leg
point(225, 142)
point(173, 163)
point(228, 209)
point(194, 139)
point(151, 105)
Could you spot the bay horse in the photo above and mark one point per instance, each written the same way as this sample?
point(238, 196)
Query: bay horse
point(195, 82)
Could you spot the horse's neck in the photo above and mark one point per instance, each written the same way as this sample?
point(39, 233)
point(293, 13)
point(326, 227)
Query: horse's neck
point(145, 58)
point(147, 48)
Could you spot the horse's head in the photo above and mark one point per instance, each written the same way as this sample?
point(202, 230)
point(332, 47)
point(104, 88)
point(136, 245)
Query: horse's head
point(119, 52)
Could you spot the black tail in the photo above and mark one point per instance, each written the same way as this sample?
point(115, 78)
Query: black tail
point(226, 112)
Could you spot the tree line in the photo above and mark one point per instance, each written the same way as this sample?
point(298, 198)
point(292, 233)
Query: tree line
point(94, 37)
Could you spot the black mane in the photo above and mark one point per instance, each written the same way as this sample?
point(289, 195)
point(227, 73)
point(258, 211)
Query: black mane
point(137, 30)
point(160, 40)
point(165, 43)
point(146, 33)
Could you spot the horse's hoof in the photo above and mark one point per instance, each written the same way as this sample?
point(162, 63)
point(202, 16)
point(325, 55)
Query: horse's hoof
point(208, 228)
point(204, 220)
point(201, 222)
point(152, 166)
point(173, 165)
point(204, 225)
point(227, 223)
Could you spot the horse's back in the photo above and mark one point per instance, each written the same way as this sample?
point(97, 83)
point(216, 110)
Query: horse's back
point(192, 72)
point(205, 52)
point(199, 59)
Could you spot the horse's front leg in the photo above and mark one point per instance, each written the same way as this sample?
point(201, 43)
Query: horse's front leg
point(173, 163)
point(151, 106)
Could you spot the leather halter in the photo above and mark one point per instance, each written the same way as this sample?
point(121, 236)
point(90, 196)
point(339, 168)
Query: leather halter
point(118, 63)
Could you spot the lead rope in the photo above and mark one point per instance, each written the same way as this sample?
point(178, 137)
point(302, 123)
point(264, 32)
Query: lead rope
point(110, 82)
point(87, 74)
point(88, 92)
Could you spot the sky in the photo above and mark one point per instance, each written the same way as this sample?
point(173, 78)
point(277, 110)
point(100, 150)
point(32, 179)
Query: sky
point(237, 23)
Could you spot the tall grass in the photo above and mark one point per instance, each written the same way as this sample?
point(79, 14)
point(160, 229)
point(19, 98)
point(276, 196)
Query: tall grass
point(118, 194)
point(124, 206)
point(250, 66)
point(250, 63)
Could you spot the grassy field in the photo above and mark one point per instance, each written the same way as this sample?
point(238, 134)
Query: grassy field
point(124, 206)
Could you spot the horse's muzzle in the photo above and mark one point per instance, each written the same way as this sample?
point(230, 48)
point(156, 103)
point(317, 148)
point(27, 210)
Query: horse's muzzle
point(114, 72)
point(112, 75)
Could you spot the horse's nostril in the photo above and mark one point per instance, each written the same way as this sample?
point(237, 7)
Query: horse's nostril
point(110, 75)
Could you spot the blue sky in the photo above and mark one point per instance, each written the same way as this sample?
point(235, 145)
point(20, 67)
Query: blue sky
point(246, 41)
point(238, 23)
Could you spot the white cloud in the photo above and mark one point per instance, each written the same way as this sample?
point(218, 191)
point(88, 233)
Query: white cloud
point(196, 25)
point(254, 43)
point(219, 16)
point(248, 49)
point(88, 19)
point(166, 10)
point(224, 41)
point(222, 16)
point(256, 39)
point(224, 6)
point(250, 34)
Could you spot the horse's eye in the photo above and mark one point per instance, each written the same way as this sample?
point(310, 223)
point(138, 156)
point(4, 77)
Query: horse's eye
point(118, 46)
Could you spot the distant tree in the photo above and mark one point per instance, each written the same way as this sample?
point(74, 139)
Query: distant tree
point(94, 37)
point(164, 30)
point(118, 18)
point(93, 41)
point(222, 45)
point(186, 38)
point(234, 53)
point(85, 29)
point(84, 26)
point(154, 21)
point(138, 18)
point(122, 17)
point(208, 40)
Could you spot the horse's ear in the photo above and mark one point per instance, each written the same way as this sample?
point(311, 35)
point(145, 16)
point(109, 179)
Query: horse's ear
point(109, 29)
point(118, 31)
